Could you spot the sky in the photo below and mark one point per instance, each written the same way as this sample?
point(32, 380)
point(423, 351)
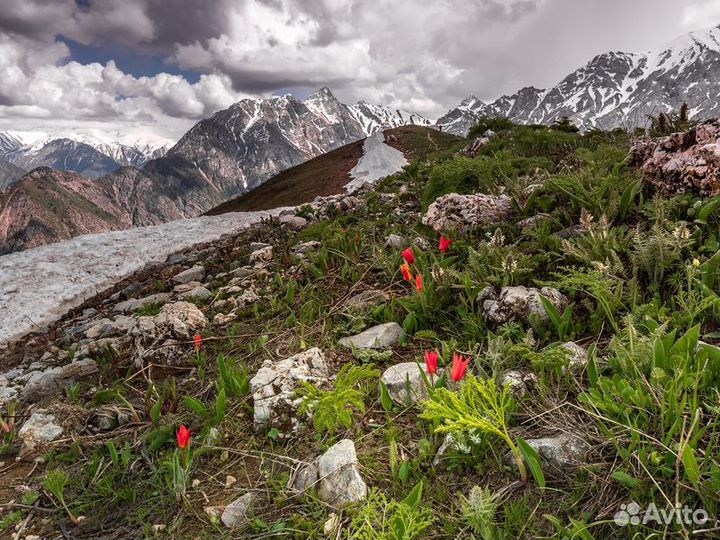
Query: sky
point(153, 68)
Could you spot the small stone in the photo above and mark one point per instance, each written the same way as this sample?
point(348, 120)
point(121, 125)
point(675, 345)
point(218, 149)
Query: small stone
point(221, 319)
point(340, 479)
point(198, 293)
point(331, 525)
point(294, 222)
point(395, 241)
point(235, 514)
point(305, 247)
point(366, 299)
point(254, 246)
point(261, 255)
point(561, 453)
point(382, 336)
point(230, 481)
point(196, 273)
point(518, 381)
point(405, 383)
point(578, 356)
point(39, 429)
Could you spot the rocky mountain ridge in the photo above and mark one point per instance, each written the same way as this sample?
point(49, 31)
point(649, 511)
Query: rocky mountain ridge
point(614, 89)
point(229, 154)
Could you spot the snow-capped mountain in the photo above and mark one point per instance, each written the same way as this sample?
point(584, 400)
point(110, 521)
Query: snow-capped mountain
point(615, 89)
point(82, 153)
point(224, 156)
point(242, 146)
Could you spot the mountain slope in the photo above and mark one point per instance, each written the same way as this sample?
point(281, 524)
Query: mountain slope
point(9, 174)
point(615, 89)
point(47, 206)
point(329, 173)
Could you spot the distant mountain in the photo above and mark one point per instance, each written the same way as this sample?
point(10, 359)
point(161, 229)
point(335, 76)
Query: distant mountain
point(224, 156)
point(9, 174)
point(615, 89)
point(237, 149)
point(78, 153)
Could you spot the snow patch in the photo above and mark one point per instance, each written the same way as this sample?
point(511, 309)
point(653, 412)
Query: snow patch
point(378, 161)
point(39, 286)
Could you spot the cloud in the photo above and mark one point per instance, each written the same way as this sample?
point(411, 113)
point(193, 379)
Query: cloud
point(420, 56)
point(701, 14)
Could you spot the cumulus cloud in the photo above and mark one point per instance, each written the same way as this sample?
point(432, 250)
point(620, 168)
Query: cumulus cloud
point(420, 56)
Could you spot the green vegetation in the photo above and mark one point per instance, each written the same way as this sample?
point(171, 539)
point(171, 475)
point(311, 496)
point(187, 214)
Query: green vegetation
point(640, 273)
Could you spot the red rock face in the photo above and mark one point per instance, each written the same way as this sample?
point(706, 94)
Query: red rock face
point(686, 162)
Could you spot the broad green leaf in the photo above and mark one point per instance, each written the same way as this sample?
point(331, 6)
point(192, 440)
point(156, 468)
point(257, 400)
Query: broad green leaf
point(385, 399)
point(196, 406)
point(414, 497)
point(692, 470)
point(532, 459)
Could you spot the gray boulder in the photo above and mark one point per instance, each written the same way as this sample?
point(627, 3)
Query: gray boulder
point(395, 241)
point(561, 453)
point(52, 381)
point(382, 336)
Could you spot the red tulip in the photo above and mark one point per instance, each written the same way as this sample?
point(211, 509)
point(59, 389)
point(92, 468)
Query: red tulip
point(198, 342)
point(418, 282)
point(183, 437)
point(405, 269)
point(445, 244)
point(408, 255)
point(459, 367)
point(431, 361)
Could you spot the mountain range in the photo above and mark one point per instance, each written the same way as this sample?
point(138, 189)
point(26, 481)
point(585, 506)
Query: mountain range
point(615, 89)
point(80, 153)
point(226, 155)
point(84, 185)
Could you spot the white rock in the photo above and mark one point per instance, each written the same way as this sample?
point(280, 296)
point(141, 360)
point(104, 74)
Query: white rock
point(39, 429)
point(133, 304)
point(340, 479)
point(261, 255)
point(382, 336)
point(273, 388)
point(395, 241)
point(405, 383)
point(463, 212)
point(197, 293)
point(578, 356)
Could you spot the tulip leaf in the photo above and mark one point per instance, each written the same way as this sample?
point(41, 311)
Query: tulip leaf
point(624, 478)
point(155, 411)
point(692, 470)
point(196, 406)
point(414, 497)
point(385, 399)
point(404, 472)
point(532, 459)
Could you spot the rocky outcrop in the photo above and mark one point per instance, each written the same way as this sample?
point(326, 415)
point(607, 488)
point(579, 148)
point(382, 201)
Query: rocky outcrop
point(685, 162)
point(164, 338)
point(463, 212)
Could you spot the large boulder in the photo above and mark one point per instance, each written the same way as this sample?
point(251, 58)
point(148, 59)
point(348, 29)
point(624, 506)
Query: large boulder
point(518, 303)
point(464, 212)
point(163, 337)
point(274, 385)
point(382, 336)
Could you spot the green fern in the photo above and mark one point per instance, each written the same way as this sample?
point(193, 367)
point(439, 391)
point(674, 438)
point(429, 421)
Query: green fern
point(334, 408)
